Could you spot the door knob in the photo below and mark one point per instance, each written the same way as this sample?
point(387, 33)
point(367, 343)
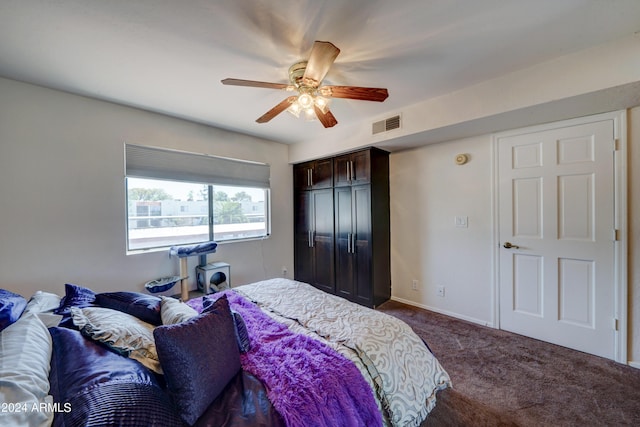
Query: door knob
point(508, 245)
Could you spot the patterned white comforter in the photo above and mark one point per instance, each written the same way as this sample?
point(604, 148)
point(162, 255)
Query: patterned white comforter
point(403, 373)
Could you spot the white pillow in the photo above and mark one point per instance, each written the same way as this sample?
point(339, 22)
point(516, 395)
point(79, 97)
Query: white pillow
point(174, 311)
point(122, 332)
point(25, 362)
point(42, 302)
point(50, 320)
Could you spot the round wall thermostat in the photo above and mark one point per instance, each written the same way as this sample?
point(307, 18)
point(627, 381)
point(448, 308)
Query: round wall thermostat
point(461, 159)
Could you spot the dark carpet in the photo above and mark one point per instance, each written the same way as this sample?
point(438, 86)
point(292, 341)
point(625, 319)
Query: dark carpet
point(505, 379)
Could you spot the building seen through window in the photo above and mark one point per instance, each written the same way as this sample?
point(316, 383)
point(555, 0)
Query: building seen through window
point(164, 213)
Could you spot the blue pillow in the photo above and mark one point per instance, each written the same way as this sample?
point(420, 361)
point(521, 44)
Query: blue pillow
point(144, 307)
point(75, 296)
point(242, 335)
point(199, 358)
point(95, 386)
point(11, 307)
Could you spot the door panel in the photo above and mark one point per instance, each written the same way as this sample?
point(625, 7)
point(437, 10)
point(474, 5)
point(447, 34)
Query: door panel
point(577, 287)
point(317, 174)
point(341, 169)
point(527, 284)
point(313, 229)
point(361, 167)
point(301, 178)
point(576, 200)
point(556, 208)
point(344, 258)
point(352, 169)
point(303, 251)
point(527, 208)
point(322, 174)
point(361, 211)
point(322, 237)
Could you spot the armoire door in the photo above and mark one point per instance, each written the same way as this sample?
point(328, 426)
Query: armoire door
point(313, 175)
point(303, 255)
point(314, 251)
point(352, 169)
point(361, 246)
point(353, 243)
point(344, 258)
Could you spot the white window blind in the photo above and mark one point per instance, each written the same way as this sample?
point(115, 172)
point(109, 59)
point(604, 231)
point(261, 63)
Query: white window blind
point(161, 163)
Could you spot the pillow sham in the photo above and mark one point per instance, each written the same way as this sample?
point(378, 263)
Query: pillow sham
point(174, 311)
point(75, 296)
point(144, 307)
point(11, 307)
point(25, 352)
point(103, 388)
point(199, 357)
point(121, 332)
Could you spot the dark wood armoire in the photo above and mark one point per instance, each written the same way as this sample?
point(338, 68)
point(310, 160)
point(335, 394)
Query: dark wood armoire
point(341, 225)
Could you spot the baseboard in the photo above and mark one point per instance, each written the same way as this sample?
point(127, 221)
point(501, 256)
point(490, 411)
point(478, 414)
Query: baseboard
point(634, 364)
point(445, 312)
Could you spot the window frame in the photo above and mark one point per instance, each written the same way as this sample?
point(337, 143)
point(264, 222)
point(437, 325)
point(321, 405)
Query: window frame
point(159, 167)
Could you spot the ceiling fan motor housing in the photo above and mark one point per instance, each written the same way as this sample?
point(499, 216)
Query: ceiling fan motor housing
point(296, 72)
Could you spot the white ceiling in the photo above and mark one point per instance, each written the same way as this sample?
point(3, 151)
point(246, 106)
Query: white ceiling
point(169, 56)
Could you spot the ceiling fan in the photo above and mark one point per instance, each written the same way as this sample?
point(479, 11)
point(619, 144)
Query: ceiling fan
point(312, 99)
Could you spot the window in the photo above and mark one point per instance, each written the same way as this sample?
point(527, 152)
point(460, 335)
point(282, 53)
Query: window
point(173, 204)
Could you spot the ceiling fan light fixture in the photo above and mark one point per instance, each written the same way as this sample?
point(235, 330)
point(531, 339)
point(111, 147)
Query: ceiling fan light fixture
point(309, 114)
point(305, 100)
point(295, 109)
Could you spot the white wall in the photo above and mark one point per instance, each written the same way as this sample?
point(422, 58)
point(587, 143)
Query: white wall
point(62, 209)
point(428, 190)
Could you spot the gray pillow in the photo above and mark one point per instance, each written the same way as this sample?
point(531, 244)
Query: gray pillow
point(174, 311)
point(122, 332)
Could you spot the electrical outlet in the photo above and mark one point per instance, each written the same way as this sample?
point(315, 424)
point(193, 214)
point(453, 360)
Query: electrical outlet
point(414, 285)
point(441, 291)
point(284, 271)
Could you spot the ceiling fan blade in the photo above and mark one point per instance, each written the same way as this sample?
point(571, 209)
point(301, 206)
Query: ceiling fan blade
point(253, 83)
point(320, 60)
point(276, 110)
point(327, 119)
point(354, 92)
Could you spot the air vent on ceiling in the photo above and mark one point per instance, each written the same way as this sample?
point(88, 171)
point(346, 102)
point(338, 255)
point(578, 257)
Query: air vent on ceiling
point(386, 125)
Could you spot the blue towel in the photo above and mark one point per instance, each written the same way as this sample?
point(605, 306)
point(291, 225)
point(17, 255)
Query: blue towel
point(200, 249)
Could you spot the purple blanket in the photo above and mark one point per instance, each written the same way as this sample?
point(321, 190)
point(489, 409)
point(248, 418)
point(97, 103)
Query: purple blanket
point(307, 382)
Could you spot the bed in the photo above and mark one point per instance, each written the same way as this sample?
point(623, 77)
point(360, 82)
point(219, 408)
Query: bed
point(276, 352)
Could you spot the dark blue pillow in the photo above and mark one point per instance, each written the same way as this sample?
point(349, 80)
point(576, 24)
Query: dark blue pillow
point(94, 386)
point(144, 307)
point(242, 335)
point(199, 357)
point(75, 296)
point(11, 307)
